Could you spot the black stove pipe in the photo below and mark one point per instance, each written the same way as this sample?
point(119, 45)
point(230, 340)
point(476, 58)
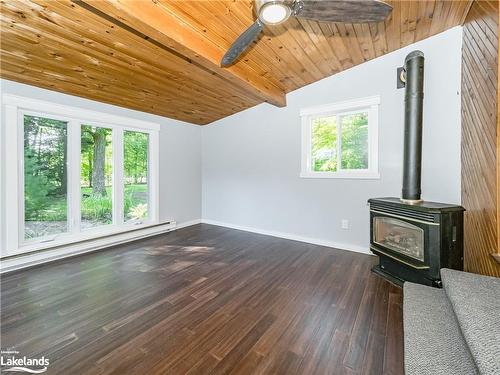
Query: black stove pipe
point(414, 95)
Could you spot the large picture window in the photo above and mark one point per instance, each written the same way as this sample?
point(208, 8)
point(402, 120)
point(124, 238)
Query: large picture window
point(80, 174)
point(340, 140)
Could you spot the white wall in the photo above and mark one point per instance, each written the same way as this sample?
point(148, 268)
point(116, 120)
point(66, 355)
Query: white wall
point(180, 145)
point(244, 170)
point(251, 160)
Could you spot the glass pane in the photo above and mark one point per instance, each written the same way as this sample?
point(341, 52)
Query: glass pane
point(399, 236)
point(324, 144)
point(135, 157)
point(45, 177)
point(354, 150)
point(96, 177)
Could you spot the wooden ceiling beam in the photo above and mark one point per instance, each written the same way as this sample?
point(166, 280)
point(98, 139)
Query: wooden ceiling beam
point(162, 26)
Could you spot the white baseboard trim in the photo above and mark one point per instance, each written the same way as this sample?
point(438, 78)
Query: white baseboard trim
point(187, 224)
point(43, 256)
point(294, 237)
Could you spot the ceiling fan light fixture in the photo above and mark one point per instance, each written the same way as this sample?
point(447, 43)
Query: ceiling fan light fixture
point(274, 12)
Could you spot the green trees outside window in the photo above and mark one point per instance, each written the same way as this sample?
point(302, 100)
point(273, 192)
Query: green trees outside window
point(354, 150)
point(324, 144)
point(351, 149)
point(135, 152)
point(96, 176)
point(45, 176)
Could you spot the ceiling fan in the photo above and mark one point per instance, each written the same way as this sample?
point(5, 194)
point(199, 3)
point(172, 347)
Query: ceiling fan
point(274, 12)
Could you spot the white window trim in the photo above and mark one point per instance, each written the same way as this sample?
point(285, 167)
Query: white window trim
point(103, 118)
point(370, 104)
point(14, 109)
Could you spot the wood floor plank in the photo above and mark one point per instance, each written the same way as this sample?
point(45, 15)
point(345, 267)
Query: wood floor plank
point(393, 359)
point(206, 299)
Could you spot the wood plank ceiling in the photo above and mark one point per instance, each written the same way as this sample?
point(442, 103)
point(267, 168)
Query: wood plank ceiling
point(161, 56)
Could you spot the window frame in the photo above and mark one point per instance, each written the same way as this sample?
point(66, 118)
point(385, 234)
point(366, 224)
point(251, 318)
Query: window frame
point(15, 108)
point(308, 115)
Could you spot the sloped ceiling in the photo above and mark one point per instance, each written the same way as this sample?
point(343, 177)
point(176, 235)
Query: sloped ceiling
point(162, 56)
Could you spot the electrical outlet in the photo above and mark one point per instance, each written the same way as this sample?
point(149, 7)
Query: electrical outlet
point(344, 224)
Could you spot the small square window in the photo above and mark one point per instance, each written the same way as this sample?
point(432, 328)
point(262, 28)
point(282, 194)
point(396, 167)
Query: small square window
point(341, 140)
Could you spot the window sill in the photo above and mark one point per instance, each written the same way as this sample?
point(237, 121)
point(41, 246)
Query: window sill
point(342, 175)
point(84, 236)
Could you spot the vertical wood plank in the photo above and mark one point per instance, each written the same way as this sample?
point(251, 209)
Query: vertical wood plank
point(498, 145)
point(480, 138)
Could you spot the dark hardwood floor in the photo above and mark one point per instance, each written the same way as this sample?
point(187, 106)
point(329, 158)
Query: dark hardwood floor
point(206, 299)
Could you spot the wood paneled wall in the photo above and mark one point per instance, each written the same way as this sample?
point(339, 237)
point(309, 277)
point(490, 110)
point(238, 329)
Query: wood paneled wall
point(480, 184)
point(497, 255)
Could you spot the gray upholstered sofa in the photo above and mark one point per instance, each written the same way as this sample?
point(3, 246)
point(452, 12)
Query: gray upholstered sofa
point(454, 330)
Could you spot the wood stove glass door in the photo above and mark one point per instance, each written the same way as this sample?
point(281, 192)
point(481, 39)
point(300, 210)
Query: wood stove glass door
point(399, 236)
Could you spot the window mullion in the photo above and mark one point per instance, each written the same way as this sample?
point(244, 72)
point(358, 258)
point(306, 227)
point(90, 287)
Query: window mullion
point(13, 179)
point(153, 176)
point(73, 176)
point(339, 142)
point(118, 172)
point(309, 144)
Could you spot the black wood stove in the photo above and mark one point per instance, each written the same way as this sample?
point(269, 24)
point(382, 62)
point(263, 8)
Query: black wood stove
point(415, 241)
point(413, 238)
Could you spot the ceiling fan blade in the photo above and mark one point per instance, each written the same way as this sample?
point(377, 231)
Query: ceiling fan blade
point(242, 43)
point(351, 11)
